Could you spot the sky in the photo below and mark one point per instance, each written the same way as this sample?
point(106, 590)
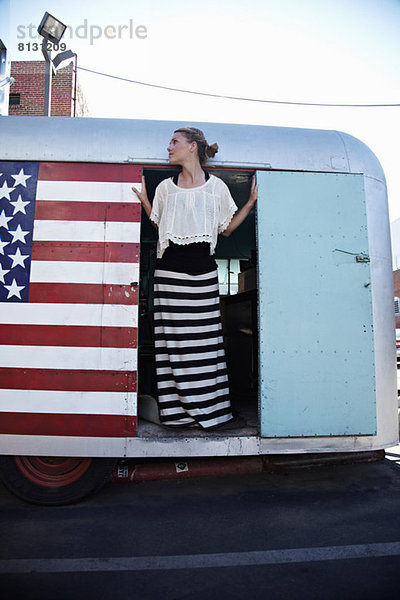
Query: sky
point(318, 51)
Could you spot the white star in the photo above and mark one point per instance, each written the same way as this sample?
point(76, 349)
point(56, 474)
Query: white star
point(19, 235)
point(14, 289)
point(18, 259)
point(4, 219)
point(19, 205)
point(21, 178)
point(2, 245)
point(2, 273)
point(5, 191)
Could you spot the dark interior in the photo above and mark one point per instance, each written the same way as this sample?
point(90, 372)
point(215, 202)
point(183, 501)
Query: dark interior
point(238, 309)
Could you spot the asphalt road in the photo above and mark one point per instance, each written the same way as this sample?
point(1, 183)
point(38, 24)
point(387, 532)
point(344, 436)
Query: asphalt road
point(324, 533)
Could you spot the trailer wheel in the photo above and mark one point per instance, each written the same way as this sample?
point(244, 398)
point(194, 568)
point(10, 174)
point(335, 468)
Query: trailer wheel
point(52, 481)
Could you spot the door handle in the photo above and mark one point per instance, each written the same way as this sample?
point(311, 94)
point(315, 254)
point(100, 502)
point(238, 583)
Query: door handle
point(362, 258)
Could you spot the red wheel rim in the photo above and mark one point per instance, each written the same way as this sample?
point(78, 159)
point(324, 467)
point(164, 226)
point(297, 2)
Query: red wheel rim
point(53, 472)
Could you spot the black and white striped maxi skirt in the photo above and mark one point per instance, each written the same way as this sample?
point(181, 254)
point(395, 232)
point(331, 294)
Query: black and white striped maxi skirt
point(190, 358)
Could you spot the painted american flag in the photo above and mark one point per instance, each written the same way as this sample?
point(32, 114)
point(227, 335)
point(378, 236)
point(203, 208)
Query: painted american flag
point(69, 273)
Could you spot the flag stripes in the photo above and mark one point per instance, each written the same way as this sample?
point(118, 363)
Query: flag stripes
point(78, 380)
point(94, 294)
point(67, 357)
point(68, 335)
point(88, 191)
point(68, 331)
point(64, 171)
point(80, 272)
point(85, 211)
point(70, 314)
point(51, 401)
point(86, 252)
point(86, 231)
point(67, 425)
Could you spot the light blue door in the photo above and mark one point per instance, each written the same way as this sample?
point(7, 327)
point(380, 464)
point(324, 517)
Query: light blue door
point(315, 315)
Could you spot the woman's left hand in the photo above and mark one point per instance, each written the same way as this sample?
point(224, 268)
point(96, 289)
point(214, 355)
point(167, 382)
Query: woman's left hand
point(253, 191)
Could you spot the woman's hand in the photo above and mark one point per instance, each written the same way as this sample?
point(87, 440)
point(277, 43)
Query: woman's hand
point(142, 195)
point(253, 191)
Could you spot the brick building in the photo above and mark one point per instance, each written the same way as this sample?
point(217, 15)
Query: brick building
point(27, 93)
point(396, 284)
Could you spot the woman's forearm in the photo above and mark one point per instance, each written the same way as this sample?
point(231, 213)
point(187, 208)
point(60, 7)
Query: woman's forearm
point(238, 218)
point(146, 207)
point(244, 211)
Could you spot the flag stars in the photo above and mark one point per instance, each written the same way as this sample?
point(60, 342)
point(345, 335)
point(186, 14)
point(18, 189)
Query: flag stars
point(2, 273)
point(14, 290)
point(20, 178)
point(2, 246)
point(18, 259)
point(18, 184)
point(4, 219)
point(19, 205)
point(19, 235)
point(5, 191)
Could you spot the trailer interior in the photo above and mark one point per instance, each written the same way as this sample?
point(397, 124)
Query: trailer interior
point(236, 257)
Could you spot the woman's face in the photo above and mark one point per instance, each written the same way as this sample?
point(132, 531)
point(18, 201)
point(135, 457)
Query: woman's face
point(180, 149)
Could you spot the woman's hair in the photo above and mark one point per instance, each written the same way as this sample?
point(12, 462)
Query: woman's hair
point(192, 134)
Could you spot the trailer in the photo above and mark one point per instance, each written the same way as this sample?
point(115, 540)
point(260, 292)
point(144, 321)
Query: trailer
point(306, 299)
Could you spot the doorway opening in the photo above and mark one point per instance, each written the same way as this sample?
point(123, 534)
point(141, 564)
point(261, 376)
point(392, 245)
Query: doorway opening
point(236, 257)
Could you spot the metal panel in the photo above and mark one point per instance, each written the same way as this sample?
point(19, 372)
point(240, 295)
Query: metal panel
point(316, 332)
point(145, 142)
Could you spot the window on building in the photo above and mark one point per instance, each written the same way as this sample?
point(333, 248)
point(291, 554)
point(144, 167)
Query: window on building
point(15, 100)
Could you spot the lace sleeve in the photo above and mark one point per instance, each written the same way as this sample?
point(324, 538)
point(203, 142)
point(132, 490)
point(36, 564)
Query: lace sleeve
point(158, 203)
point(227, 208)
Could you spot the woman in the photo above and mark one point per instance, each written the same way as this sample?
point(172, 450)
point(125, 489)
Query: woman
point(189, 211)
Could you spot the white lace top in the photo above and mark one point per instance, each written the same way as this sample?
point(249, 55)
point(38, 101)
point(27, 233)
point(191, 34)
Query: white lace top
point(188, 215)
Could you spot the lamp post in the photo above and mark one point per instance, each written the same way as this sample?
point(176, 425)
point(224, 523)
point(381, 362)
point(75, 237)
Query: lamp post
point(52, 30)
point(5, 79)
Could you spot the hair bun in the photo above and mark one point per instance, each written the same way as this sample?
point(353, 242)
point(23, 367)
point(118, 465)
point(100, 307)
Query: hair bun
point(212, 150)
point(192, 134)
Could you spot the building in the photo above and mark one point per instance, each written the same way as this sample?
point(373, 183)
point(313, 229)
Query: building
point(396, 285)
point(27, 92)
point(395, 235)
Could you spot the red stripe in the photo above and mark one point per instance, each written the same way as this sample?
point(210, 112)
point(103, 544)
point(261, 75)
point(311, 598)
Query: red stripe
point(63, 171)
point(69, 335)
point(83, 293)
point(86, 251)
point(67, 425)
point(87, 211)
point(67, 380)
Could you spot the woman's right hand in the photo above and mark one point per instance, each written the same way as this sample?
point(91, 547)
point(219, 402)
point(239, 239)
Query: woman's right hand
point(142, 195)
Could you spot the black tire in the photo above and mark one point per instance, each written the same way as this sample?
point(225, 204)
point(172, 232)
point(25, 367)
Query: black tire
point(53, 481)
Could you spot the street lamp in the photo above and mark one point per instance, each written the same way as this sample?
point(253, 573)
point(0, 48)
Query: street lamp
point(51, 30)
point(63, 57)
